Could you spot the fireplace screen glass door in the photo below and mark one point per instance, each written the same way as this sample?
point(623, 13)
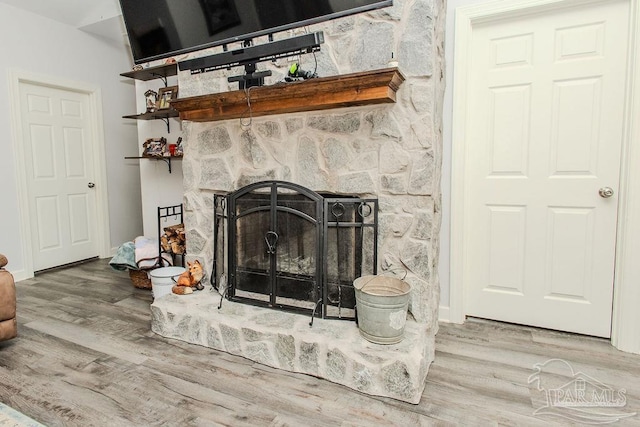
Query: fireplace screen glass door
point(277, 229)
point(280, 245)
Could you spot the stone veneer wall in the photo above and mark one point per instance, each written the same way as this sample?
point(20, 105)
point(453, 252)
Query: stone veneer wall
point(389, 151)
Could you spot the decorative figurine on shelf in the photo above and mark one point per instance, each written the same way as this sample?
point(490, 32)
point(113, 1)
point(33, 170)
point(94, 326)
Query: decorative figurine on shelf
point(155, 147)
point(179, 148)
point(164, 148)
point(151, 98)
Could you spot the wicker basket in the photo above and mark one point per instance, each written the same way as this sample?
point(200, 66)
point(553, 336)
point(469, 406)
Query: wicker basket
point(140, 279)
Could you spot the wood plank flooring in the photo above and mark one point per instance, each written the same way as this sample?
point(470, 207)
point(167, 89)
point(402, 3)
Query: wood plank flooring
point(85, 356)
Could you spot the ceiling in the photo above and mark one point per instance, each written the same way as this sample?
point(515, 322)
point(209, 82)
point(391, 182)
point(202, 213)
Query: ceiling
point(99, 17)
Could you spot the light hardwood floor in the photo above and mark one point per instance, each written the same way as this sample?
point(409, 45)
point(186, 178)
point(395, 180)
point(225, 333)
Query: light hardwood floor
point(85, 356)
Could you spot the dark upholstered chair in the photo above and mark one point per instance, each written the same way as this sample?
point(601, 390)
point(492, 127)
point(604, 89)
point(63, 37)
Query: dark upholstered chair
point(8, 322)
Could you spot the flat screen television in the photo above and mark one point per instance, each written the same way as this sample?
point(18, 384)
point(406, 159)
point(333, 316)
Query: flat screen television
point(160, 29)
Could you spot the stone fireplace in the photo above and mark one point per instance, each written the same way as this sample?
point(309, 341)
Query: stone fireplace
point(389, 152)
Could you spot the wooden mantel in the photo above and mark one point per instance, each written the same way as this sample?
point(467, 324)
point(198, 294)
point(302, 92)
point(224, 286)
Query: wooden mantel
point(371, 87)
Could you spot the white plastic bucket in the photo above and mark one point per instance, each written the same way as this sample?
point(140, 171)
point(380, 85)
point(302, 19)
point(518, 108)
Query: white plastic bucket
point(163, 279)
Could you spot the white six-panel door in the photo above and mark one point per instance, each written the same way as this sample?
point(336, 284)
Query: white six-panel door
point(59, 169)
point(544, 133)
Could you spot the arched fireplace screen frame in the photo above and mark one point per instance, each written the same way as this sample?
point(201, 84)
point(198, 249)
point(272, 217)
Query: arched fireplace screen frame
point(280, 245)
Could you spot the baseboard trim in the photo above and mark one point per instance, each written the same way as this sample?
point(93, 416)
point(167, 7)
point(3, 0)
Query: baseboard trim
point(443, 314)
point(19, 275)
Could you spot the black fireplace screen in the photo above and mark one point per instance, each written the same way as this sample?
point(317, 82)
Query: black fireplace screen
point(280, 245)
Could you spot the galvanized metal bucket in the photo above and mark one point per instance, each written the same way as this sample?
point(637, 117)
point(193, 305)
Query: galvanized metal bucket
point(381, 303)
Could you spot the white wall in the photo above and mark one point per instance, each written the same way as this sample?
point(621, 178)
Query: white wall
point(158, 187)
point(31, 43)
point(447, 122)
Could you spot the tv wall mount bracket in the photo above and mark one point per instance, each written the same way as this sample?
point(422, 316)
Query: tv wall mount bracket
point(249, 55)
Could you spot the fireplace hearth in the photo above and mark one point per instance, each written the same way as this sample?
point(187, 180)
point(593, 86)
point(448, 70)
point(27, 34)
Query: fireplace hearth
point(284, 258)
point(283, 246)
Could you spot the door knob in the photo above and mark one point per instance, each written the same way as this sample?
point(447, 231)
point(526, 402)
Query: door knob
point(605, 192)
point(91, 185)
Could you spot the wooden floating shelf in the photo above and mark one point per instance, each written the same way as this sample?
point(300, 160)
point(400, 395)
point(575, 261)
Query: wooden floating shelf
point(156, 115)
point(159, 72)
point(166, 159)
point(349, 90)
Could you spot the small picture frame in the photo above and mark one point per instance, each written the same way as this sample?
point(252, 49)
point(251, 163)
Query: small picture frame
point(165, 95)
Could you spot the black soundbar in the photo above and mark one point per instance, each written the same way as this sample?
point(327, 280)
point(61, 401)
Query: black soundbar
point(305, 43)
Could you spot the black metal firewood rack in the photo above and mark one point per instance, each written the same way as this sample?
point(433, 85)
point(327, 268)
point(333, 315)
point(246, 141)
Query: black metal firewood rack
point(164, 213)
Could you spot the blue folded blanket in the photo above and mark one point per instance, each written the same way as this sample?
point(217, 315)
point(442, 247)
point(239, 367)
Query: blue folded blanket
point(125, 257)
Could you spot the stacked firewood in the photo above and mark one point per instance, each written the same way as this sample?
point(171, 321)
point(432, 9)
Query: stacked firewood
point(173, 239)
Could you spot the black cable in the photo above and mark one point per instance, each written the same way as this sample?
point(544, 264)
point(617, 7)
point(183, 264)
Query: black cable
point(247, 125)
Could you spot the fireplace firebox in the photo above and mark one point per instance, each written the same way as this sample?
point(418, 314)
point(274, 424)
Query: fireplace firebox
point(280, 245)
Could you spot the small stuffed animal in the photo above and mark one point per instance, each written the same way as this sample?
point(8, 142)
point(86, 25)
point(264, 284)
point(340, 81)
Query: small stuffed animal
point(189, 279)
